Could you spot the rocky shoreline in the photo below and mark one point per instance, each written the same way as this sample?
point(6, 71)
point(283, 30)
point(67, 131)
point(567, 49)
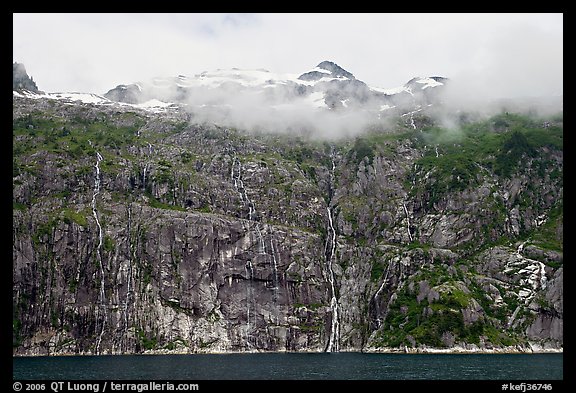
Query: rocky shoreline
point(458, 350)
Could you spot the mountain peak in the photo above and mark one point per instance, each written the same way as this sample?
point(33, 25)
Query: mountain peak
point(326, 69)
point(335, 69)
point(424, 82)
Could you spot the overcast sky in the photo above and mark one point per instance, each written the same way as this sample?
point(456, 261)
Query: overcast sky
point(511, 54)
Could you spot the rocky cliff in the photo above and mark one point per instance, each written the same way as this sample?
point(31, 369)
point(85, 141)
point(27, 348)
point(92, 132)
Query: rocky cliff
point(135, 232)
point(20, 79)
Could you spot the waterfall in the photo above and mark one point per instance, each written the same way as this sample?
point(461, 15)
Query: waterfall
point(129, 274)
point(330, 250)
point(261, 245)
point(150, 151)
point(411, 113)
point(537, 278)
point(236, 176)
point(333, 341)
point(144, 177)
point(269, 257)
point(378, 320)
point(383, 281)
point(102, 296)
point(408, 220)
point(520, 249)
point(412, 120)
point(275, 277)
point(239, 186)
point(249, 295)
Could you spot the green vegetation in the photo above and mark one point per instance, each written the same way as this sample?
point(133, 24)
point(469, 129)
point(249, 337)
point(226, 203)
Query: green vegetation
point(155, 203)
point(71, 136)
point(44, 229)
point(18, 206)
point(514, 149)
point(377, 270)
point(499, 145)
point(362, 149)
point(70, 216)
point(549, 236)
point(109, 243)
point(426, 323)
point(146, 341)
point(177, 342)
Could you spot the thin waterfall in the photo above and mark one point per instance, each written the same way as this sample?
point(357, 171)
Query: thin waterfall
point(275, 277)
point(129, 273)
point(408, 221)
point(330, 251)
point(249, 295)
point(102, 296)
point(333, 341)
point(261, 244)
point(377, 294)
point(236, 176)
point(270, 257)
point(144, 176)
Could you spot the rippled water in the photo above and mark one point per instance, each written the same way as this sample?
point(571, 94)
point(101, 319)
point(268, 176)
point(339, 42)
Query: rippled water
point(293, 366)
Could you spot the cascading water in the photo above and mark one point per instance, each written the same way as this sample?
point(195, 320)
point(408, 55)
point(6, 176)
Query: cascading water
point(333, 341)
point(275, 268)
point(533, 279)
point(408, 221)
point(128, 273)
point(537, 278)
point(102, 295)
point(330, 251)
point(378, 320)
point(249, 296)
point(261, 244)
point(144, 176)
point(236, 176)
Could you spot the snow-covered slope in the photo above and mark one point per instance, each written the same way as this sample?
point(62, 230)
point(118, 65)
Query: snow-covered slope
point(227, 93)
point(325, 87)
point(73, 98)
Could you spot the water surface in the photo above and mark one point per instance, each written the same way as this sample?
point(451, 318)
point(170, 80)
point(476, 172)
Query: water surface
point(293, 366)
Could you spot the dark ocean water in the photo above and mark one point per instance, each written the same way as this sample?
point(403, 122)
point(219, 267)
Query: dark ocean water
point(293, 366)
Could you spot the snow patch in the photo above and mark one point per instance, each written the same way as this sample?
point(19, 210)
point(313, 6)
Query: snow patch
point(428, 82)
point(389, 91)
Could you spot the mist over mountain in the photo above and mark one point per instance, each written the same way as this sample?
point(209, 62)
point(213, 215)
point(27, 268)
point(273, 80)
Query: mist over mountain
point(327, 100)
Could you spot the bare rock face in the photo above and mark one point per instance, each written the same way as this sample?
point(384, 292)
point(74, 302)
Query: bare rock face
point(136, 232)
point(548, 325)
point(21, 81)
point(130, 94)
